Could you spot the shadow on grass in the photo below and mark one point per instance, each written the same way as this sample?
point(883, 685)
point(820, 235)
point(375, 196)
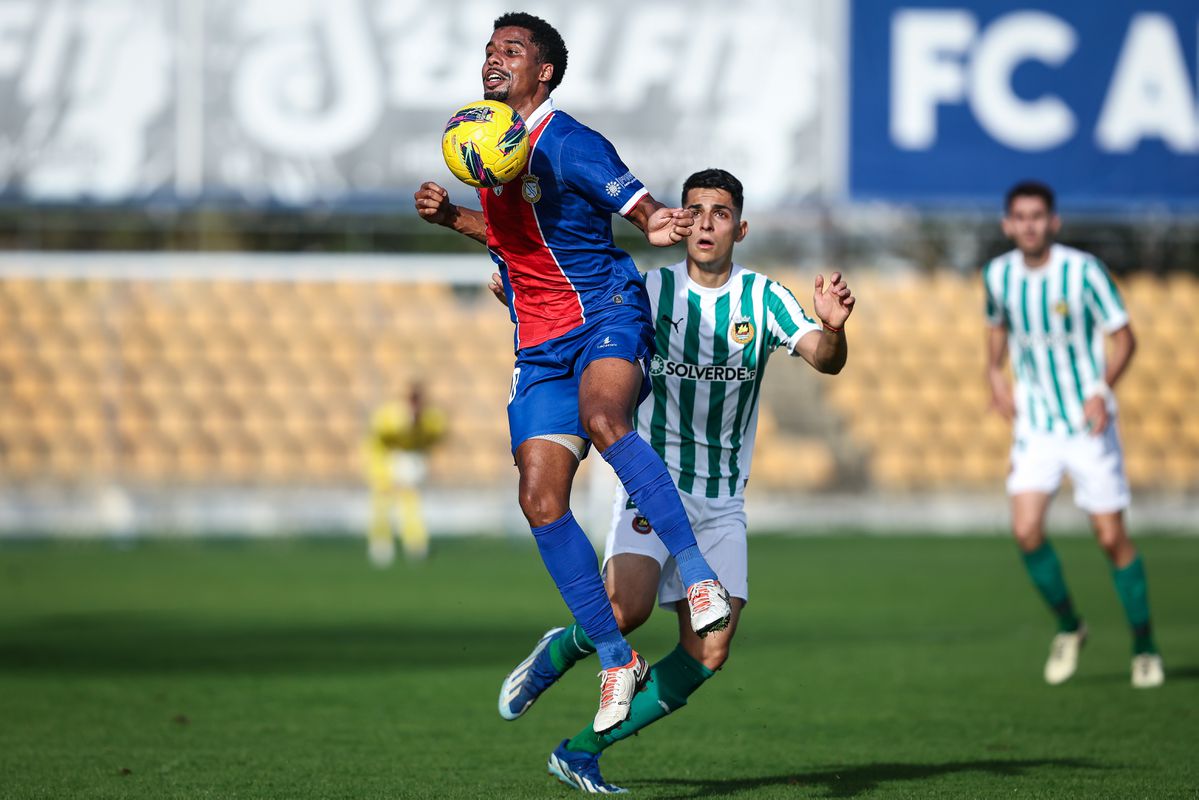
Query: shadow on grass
point(112, 643)
point(851, 781)
point(1185, 673)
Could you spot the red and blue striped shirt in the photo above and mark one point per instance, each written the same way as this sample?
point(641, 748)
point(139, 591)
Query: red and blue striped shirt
point(550, 229)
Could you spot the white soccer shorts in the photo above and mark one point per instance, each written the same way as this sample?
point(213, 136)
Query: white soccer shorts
point(719, 525)
point(1095, 465)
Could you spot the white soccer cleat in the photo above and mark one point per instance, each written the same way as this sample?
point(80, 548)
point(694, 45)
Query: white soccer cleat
point(617, 687)
point(710, 608)
point(1063, 655)
point(1147, 671)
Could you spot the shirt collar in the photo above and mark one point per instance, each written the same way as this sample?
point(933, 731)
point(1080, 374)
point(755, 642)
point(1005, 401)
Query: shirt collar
point(1055, 256)
point(714, 290)
point(543, 111)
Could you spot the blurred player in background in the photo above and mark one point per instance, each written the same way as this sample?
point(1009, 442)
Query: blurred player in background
point(1049, 307)
point(584, 337)
point(716, 325)
point(396, 449)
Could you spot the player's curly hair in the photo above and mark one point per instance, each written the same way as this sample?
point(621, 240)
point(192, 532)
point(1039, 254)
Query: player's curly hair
point(1030, 189)
point(550, 47)
point(716, 179)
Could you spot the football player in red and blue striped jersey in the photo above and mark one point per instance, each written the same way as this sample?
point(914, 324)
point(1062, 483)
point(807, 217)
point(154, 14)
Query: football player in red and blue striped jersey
point(584, 339)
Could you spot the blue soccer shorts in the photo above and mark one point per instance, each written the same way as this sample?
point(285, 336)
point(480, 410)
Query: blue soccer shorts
point(544, 398)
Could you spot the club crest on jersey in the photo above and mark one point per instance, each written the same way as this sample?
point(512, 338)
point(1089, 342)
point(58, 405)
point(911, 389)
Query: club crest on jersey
point(530, 188)
point(641, 525)
point(742, 330)
point(498, 190)
point(1062, 308)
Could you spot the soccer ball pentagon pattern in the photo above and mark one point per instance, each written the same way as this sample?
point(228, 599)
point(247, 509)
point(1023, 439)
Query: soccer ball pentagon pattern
point(485, 144)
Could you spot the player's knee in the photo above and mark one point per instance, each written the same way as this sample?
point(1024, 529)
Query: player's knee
point(1029, 535)
point(605, 427)
point(540, 508)
point(715, 654)
point(630, 615)
point(1114, 542)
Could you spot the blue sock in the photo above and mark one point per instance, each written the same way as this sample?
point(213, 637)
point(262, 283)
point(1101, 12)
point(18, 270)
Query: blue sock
point(646, 480)
point(571, 562)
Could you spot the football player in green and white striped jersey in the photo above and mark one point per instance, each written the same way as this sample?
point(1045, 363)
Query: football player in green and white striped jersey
point(1049, 307)
point(716, 325)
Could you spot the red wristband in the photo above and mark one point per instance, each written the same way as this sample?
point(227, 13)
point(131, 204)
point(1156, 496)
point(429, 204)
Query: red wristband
point(830, 328)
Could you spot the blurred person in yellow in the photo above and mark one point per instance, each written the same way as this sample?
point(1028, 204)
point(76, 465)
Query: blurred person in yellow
point(402, 433)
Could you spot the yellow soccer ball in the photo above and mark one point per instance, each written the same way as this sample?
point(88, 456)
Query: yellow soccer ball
point(485, 144)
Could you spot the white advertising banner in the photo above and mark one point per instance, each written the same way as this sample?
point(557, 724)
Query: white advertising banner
point(341, 102)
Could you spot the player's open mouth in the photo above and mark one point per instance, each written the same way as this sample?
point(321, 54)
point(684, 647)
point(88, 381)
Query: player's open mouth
point(493, 79)
point(705, 244)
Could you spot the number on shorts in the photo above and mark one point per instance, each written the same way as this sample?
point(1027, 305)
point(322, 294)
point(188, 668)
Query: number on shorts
point(512, 391)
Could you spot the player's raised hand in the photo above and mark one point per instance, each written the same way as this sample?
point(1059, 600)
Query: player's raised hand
point(833, 303)
point(497, 288)
point(667, 226)
point(433, 203)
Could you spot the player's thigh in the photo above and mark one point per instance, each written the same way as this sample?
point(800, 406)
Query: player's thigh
point(1096, 468)
point(1028, 519)
point(543, 399)
point(1038, 461)
point(608, 393)
point(613, 379)
point(712, 650)
point(632, 583)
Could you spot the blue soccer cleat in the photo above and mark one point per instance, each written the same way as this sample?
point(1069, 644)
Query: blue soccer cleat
point(531, 677)
point(580, 771)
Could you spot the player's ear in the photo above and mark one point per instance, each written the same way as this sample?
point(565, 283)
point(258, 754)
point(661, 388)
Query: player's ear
point(546, 73)
point(742, 229)
point(1005, 223)
point(1055, 224)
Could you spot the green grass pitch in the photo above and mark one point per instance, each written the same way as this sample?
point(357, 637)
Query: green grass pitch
point(864, 667)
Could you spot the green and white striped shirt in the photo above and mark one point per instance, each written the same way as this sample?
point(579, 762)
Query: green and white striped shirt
point(711, 351)
point(1056, 317)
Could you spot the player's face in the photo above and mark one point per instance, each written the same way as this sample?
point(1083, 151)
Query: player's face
point(718, 227)
point(511, 73)
point(1030, 224)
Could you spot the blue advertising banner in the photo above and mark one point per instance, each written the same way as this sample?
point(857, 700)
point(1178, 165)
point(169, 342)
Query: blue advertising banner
point(952, 102)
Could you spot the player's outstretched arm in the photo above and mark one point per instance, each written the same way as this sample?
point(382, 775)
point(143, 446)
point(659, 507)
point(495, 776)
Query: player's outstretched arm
point(1002, 401)
point(662, 226)
point(433, 204)
point(827, 349)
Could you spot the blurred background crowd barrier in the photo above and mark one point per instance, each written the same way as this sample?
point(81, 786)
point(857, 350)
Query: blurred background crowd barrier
point(213, 274)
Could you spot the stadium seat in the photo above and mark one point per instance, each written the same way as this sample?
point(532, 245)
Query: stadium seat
point(274, 381)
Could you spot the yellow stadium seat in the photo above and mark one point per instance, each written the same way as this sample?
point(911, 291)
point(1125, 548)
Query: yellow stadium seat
point(272, 381)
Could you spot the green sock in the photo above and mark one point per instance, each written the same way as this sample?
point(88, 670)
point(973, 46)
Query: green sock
point(569, 646)
point(1134, 595)
point(1046, 573)
point(671, 682)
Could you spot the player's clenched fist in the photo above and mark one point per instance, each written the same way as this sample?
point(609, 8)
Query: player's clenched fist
point(433, 203)
point(833, 304)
